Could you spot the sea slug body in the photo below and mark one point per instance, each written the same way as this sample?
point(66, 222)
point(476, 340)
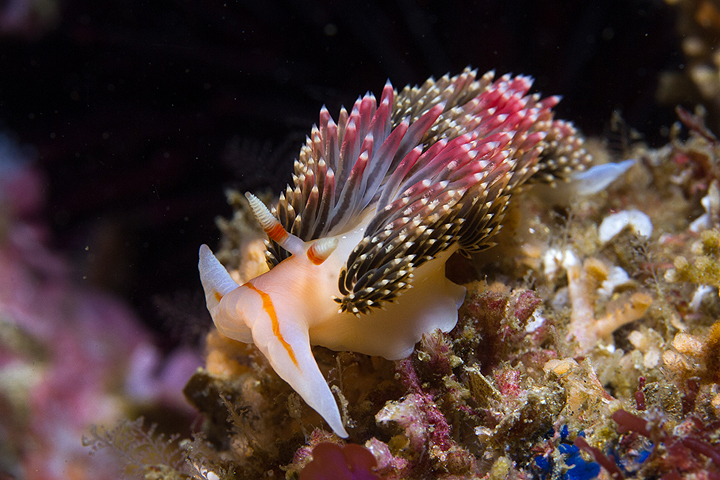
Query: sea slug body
point(381, 198)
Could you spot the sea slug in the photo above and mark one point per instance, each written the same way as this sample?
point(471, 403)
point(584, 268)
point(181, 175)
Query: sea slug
point(380, 200)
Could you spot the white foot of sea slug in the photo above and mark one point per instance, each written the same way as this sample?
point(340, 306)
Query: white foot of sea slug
point(381, 199)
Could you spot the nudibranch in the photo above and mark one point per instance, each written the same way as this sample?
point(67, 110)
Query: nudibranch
point(381, 198)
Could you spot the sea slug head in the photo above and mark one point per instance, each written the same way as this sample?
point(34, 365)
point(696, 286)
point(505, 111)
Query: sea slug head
point(267, 311)
point(236, 309)
point(253, 314)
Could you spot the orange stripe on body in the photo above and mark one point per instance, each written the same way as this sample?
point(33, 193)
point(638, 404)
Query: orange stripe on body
point(270, 310)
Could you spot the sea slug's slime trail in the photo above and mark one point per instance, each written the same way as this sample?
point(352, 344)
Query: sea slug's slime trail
point(380, 200)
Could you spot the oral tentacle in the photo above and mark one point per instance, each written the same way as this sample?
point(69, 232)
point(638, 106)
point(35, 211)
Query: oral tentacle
point(216, 281)
point(287, 348)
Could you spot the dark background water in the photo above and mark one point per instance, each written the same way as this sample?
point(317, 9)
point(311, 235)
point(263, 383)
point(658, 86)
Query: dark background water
point(143, 113)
